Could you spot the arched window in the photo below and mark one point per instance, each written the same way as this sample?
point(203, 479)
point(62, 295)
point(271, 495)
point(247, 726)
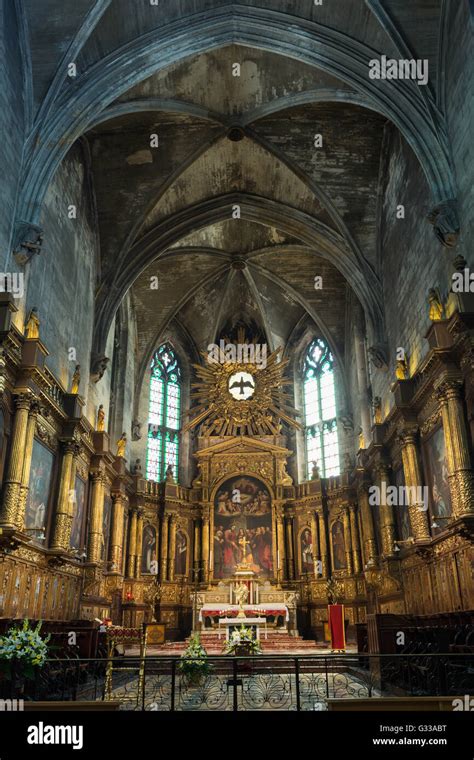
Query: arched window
point(164, 414)
point(320, 410)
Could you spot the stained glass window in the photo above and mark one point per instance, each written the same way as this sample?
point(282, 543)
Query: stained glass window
point(163, 414)
point(320, 410)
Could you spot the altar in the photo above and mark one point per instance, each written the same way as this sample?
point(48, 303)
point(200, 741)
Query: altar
point(213, 612)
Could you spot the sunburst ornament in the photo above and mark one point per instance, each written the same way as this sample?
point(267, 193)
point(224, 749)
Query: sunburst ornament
point(241, 397)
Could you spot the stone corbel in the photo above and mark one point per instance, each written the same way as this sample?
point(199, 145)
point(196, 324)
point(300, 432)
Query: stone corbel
point(445, 221)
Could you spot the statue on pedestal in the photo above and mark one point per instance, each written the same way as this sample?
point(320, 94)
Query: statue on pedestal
point(241, 595)
point(401, 370)
point(76, 379)
point(315, 471)
point(32, 324)
point(169, 474)
point(121, 445)
point(101, 419)
point(436, 307)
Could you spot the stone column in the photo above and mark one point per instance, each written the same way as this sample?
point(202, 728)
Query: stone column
point(65, 505)
point(413, 481)
point(172, 551)
point(323, 546)
point(280, 528)
point(367, 526)
point(25, 478)
point(132, 543)
point(362, 383)
point(356, 560)
point(348, 539)
point(205, 546)
point(460, 476)
point(116, 535)
point(289, 543)
point(387, 517)
point(164, 547)
point(13, 481)
point(96, 516)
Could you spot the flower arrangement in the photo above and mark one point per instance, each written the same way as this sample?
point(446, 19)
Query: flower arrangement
point(194, 664)
point(23, 646)
point(242, 641)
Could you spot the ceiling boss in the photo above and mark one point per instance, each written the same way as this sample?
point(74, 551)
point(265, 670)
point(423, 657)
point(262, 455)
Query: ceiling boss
point(241, 397)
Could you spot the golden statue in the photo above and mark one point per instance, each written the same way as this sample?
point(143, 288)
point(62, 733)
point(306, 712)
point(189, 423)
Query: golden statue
point(121, 445)
point(436, 307)
point(76, 379)
point(241, 594)
point(101, 419)
point(377, 406)
point(361, 439)
point(401, 370)
point(32, 324)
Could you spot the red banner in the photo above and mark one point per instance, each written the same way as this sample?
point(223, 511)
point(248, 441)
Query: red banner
point(336, 626)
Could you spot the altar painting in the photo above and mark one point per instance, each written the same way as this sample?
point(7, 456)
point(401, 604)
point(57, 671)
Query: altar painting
point(436, 469)
point(39, 489)
point(242, 528)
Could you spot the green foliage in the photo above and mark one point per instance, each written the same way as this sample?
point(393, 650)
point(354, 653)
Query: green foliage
point(194, 664)
point(242, 641)
point(24, 646)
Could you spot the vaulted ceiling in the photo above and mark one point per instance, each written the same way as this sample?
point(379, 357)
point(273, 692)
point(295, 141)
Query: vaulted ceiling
point(233, 146)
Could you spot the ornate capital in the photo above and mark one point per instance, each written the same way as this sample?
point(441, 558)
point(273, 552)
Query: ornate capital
point(449, 389)
point(23, 401)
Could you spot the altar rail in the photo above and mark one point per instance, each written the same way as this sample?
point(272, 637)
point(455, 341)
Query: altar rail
point(266, 682)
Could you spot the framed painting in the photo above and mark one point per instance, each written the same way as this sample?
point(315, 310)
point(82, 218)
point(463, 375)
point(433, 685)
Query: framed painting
point(149, 547)
point(106, 519)
point(39, 492)
point(402, 515)
point(79, 508)
point(338, 543)
point(306, 551)
point(242, 528)
point(181, 553)
point(436, 475)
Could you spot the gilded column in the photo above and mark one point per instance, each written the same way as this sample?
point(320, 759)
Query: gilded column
point(132, 543)
point(25, 478)
point(315, 544)
point(323, 546)
point(457, 449)
point(138, 542)
point(117, 537)
point(205, 546)
point(172, 551)
point(289, 546)
point(367, 526)
point(387, 517)
point(417, 509)
point(280, 529)
point(65, 505)
point(94, 548)
point(164, 547)
point(196, 550)
point(348, 539)
point(356, 560)
point(13, 481)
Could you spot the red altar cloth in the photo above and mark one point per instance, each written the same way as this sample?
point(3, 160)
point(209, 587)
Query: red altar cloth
point(336, 626)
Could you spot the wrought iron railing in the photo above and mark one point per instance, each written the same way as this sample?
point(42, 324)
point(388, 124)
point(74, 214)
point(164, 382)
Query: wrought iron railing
point(266, 682)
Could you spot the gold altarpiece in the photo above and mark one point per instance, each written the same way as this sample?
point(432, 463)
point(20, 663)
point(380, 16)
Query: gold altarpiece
point(326, 540)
